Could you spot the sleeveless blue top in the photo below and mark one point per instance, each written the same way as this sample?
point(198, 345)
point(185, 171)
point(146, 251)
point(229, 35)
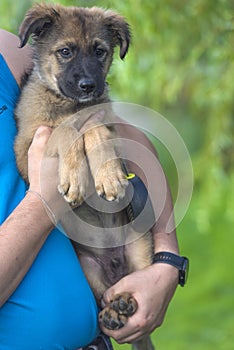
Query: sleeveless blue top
point(53, 308)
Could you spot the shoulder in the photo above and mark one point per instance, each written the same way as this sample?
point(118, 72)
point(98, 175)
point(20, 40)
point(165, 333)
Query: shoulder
point(18, 60)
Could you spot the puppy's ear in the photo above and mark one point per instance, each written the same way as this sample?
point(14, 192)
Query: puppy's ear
point(36, 22)
point(120, 31)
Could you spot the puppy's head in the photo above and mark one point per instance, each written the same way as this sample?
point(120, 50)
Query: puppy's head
point(74, 47)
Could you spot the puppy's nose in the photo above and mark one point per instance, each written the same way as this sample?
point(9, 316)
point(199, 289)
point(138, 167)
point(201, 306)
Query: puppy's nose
point(87, 85)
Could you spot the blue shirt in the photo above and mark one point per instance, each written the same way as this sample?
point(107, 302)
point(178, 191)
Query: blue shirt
point(53, 308)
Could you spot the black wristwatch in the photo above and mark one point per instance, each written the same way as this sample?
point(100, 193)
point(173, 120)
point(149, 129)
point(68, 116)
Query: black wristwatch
point(180, 262)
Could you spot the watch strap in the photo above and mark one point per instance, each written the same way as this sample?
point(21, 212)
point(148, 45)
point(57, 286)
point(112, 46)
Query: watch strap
point(168, 258)
point(180, 262)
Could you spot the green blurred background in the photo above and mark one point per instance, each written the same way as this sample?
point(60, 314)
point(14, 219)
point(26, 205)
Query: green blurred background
point(181, 65)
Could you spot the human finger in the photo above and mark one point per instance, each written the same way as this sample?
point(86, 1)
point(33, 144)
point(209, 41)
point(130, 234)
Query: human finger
point(41, 137)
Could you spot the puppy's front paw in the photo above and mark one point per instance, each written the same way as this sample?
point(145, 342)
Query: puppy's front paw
point(110, 181)
point(73, 177)
point(70, 187)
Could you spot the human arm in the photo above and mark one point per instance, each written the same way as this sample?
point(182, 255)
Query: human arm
point(18, 60)
point(23, 233)
point(161, 279)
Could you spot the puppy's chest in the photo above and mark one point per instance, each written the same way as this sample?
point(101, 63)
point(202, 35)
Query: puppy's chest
point(57, 108)
point(45, 103)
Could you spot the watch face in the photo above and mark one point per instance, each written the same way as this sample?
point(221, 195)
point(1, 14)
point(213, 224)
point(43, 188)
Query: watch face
point(184, 272)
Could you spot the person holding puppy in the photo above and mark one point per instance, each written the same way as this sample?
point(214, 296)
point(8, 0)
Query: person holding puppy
point(45, 300)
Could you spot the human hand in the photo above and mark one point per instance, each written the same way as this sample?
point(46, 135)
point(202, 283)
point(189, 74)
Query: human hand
point(153, 288)
point(35, 156)
point(43, 172)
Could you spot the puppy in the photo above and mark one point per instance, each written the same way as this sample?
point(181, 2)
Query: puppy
point(73, 51)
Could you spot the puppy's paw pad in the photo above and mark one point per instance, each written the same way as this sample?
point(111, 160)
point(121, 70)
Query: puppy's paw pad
point(110, 319)
point(124, 304)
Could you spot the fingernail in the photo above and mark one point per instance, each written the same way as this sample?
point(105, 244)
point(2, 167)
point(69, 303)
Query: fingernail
point(41, 130)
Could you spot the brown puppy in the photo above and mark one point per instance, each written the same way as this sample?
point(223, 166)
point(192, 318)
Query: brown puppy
point(73, 51)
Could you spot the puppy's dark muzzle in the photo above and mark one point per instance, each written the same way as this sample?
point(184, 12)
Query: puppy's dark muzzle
point(82, 90)
point(87, 85)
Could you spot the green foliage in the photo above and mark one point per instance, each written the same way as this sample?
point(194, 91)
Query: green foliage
point(181, 64)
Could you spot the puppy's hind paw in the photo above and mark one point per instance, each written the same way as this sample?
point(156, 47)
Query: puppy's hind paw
point(110, 319)
point(124, 304)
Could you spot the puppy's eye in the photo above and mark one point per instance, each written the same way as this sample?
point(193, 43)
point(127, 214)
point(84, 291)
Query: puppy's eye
point(65, 52)
point(100, 52)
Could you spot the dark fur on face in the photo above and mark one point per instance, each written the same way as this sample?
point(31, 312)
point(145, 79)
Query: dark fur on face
point(81, 42)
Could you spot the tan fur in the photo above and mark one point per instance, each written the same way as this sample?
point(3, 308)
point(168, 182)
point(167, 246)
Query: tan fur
point(87, 33)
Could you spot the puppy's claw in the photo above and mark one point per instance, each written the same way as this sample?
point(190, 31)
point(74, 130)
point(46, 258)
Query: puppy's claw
point(111, 189)
point(63, 189)
point(73, 200)
point(100, 190)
